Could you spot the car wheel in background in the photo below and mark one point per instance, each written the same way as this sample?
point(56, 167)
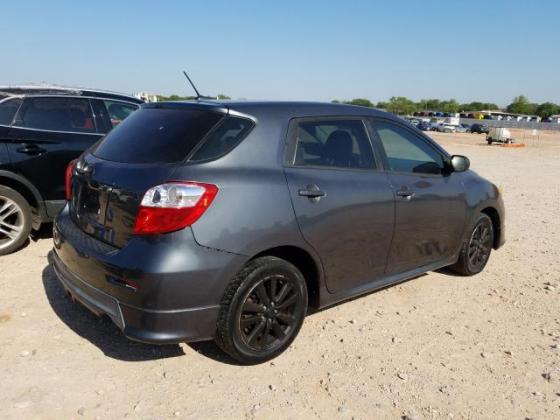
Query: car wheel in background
point(262, 310)
point(15, 220)
point(489, 140)
point(476, 250)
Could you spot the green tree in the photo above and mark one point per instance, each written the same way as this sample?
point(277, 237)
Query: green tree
point(521, 105)
point(547, 109)
point(478, 106)
point(222, 96)
point(433, 104)
point(400, 105)
point(361, 102)
point(174, 97)
point(451, 106)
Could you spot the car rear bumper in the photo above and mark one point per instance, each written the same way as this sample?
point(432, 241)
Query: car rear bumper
point(157, 327)
point(152, 297)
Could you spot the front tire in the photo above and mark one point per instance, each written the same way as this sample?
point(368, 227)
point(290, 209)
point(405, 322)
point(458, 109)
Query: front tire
point(262, 310)
point(476, 251)
point(15, 220)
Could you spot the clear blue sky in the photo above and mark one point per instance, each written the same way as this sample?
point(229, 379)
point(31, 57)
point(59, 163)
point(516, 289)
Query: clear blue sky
point(303, 50)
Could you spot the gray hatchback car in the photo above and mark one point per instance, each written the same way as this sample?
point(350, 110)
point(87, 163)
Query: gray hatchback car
point(230, 221)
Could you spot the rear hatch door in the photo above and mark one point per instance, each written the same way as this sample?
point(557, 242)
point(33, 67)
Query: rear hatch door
point(106, 196)
point(109, 182)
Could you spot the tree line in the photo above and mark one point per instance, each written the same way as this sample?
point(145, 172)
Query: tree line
point(404, 106)
point(162, 98)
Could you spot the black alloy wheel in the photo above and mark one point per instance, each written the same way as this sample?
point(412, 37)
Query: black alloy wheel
point(262, 310)
point(480, 245)
point(269, 313)
point(476, 250)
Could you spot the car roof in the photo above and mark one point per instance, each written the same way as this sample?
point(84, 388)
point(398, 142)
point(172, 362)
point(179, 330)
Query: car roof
point(53, 90)
point(285, 109)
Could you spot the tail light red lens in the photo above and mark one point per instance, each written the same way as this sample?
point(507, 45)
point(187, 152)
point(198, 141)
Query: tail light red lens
point(68, 179)
point(173, 206)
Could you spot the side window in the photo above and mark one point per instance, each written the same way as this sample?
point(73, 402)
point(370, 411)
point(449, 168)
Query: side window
point(118, 111)
point(407, 152)
point(333, 143)
point(57, 114)
point(227, 135)
point(8, 110)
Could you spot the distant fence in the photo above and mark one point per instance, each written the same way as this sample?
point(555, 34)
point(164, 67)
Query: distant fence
point(529, 125)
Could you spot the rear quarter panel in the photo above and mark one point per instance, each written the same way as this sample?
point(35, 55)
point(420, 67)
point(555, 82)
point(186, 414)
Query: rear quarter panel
point(252, 211)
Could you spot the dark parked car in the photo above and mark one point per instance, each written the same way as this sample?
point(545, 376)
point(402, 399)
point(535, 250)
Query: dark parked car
point(480, 128)
point(423, 126)
point(230, 221)
point(41, 130)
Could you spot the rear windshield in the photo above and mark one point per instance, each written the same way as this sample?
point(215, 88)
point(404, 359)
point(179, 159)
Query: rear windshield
point(153, 135)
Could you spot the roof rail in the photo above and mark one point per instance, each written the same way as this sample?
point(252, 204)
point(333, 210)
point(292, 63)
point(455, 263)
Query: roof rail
point(57, 90)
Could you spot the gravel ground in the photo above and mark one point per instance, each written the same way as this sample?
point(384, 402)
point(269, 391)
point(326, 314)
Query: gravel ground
point(439, 346)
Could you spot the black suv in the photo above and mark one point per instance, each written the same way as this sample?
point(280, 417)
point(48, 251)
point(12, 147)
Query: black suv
point(479, 128)
point(41, 130)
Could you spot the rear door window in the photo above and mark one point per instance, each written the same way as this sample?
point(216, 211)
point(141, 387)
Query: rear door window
point(150, 135)
point(333, 143)
point(57, 114)
point(8, 110)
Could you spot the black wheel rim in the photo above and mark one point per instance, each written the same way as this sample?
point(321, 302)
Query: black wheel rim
point(480, 245)
point(270, 313)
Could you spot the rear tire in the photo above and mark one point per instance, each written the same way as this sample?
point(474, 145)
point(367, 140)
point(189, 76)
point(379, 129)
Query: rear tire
point(15, 220)
point(476, 250)
point(262, 310)
point(489, 140)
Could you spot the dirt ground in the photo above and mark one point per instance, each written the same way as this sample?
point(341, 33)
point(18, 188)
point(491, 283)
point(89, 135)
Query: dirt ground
point(438, 346)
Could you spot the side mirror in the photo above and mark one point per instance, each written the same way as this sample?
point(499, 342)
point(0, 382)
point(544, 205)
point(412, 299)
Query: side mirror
point(460, 163)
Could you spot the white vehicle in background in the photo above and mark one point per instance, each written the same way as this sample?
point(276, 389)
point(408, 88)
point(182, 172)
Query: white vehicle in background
point(499, 135)
point(453, 120)
point(447, 128)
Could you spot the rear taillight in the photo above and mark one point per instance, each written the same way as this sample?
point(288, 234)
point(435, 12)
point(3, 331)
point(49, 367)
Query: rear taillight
point(68, 179)
point(173, 206)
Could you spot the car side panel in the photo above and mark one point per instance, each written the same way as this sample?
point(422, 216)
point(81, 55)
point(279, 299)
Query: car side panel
point(4, 157)
point(482, 194)
point(429, 224)
point(46, 169)
point(251, 213)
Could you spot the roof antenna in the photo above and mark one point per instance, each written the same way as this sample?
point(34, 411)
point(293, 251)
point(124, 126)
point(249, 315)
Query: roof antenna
point(198, 95)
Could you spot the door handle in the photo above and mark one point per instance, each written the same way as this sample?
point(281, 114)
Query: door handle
point(31, 149)
point(407, 194)
point(312, 192)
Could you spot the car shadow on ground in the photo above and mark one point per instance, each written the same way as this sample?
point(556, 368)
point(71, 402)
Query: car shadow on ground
point(101, 332)
point(44, 232)
point(210, 350)
point(448, 272)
